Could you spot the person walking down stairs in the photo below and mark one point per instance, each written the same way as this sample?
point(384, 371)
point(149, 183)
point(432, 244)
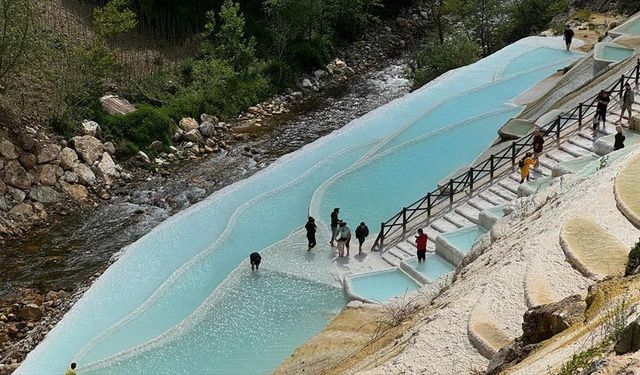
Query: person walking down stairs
point(525, 165)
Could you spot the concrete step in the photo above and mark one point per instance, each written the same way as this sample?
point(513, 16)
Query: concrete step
point(406, 247)
point(468, 212)
point(503, 192)
point(480, 203)
point(391, 259)
point(573, 149)
point(510, 184)
point(560, 156)
point(584, 143)
point(399, 253)
point(492, 197)
point(443, 225)
point(458, 220)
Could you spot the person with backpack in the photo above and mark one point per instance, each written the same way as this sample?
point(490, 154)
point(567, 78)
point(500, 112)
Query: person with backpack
point(362, 231)
point(628, 97)
point(525, 164)
point(421, 245)
point(601, 109)
point(255, 259)
point(311, 233)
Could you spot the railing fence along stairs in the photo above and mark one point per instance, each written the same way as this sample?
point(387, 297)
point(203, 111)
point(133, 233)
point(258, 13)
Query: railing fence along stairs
point(485, 172)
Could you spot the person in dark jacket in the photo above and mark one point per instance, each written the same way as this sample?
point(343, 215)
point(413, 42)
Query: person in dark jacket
point(311, 232)
point(255, 260)
point(568, 36)
point(601, 109)
point(334, 225)
point(362, 231)
point(619, 139)
point(628, 98)
point(538, 146)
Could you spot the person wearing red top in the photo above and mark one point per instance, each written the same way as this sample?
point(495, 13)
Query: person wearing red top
point(421, 244)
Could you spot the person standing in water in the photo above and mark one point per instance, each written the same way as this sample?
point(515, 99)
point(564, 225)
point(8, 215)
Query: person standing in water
point(334, 225)
point(311, 232)
point(628, 97)
point(619, 139)
point(525, 164)
point(601, 109)
point(538, 146)
point(568, 36)
point(421, 245)
point(255, 260)
point(71, 370)
point(362, 231)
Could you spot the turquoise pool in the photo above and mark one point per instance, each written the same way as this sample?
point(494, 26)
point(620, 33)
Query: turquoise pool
point(433, 268)
point(380, 286)
point(182, 291)
point(463, 239)
point(611, 53)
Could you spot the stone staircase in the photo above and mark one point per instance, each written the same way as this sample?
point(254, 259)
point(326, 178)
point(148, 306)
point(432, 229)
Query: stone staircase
point(506, 188)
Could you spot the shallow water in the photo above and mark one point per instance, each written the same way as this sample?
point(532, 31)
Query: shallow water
point(380, 286)
point(433, 268)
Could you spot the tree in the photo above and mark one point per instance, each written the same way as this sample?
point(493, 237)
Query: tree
point(483, 20)
point(437, 11)
point(539, 14)
point(113, 19)
point(438, 58)
point(16, 33)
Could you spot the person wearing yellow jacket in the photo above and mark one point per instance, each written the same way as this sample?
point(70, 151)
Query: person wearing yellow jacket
point(525, 165)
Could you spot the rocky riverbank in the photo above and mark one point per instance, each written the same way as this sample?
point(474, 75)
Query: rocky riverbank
point(62, 246)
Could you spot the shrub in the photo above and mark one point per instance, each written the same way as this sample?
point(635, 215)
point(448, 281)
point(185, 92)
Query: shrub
point(436, 58)
point(138, 129)
point(633, 262)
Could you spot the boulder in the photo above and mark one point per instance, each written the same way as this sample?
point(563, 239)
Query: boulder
point(8, 150)
point(320, 74)
point(207, 129)
point(109, 147)
point(156, 146)
point(544, 321)
point(629, 339)
point(45, 194)
point(75, 191)
point(89, 148)
point(31, 312)
point(28, 160)
point(208, 118)
point(49, 174)
point(48, 153)
point(187, 124)
point(306, 83)
point(15, 175)
point(3, 188)
point(68, 158)
point(194, 136)
point(22, 210)
point(115, 105)
point(4, 205)
point(85, 175)
point(339, 64)
point(107, 169)
point(211, 143)
point(16, 194)
point(144, 157)
point(70, 177)
point(402, 22)
point(91, 128)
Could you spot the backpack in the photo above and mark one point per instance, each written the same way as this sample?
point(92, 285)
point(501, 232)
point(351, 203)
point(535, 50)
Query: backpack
point(521, 163)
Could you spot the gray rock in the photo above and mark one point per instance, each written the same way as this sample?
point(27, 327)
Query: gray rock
point(91, 128)
point(208, 118)
point(70, 177)
point(45, 194)
point(88, 148)
point(194, 136)
point(77, 192)
point(22, 210)
point(107, 169)
point(156, 146)
point(306, 83)
point(4, 205)
point(28, 160)
point(31, 312)
point(211, 143)
point(188, 124)
point(629, 339)
point(8, 150)
point(68, 158)
point(114, 105)
point(15, 175)
point(144, 157)
point(3, 187)
point(543, 322)
point(320, 74)
point(49, 174)
point(109, 147)
point(207, 129)
point(85, 175)
point(16, 194)
point(48, 153)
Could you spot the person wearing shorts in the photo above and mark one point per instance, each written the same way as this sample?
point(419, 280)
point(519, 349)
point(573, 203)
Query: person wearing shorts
point(255, 260)
point(628, 97)
point(334, 224)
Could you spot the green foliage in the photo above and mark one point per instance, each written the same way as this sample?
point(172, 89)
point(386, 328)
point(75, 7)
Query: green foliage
point(581, 361)
point(140, 128)
point(539, 14)
point(113, 19)
point(16, 33)
point(582, 15)
point(485, 20)
point(633, 262)
point(435, 58)
point(629, 6)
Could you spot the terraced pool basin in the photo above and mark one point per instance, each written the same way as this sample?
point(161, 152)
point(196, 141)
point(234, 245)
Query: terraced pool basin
point(380, 286)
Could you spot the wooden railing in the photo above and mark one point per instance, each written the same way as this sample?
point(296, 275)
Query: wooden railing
point(485, 171)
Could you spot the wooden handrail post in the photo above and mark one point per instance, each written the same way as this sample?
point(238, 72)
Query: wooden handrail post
point(580, 116)
point(492, 167)
point(428, 205)
point(558, 122)
point(637, 71)
point(451, 191)
point(513, 155)
point(404, 219)
point(381, 236)
point(621, 85)
point(471, 180)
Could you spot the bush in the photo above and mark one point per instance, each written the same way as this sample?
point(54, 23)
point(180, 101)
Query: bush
point(138, 129)
point(633, 262)
point(436, 59)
